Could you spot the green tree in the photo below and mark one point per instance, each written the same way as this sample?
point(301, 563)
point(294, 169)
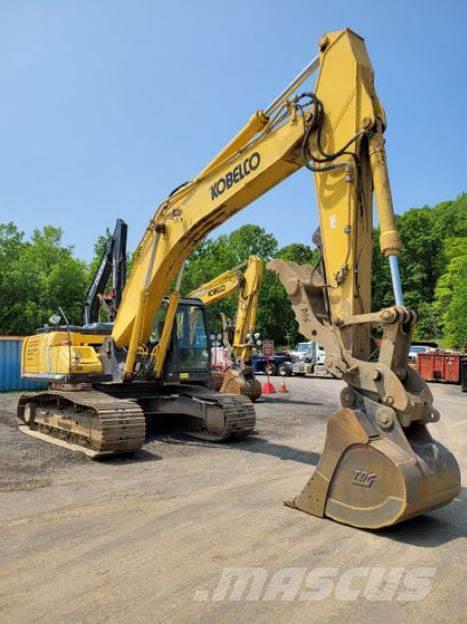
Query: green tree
point(299, 253)
point(11, 242)
point(450, 218)
point(275, 317)
point(419, 257)
point(39, 275)
point(451, 294)
point(423, 261)
point(252, 240)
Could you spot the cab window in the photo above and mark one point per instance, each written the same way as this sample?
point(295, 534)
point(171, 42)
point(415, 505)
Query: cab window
point(191, 342)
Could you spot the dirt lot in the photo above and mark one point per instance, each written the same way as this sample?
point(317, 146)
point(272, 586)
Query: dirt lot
point(148, 538)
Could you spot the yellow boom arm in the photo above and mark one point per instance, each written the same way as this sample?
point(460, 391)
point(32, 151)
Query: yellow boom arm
point(248, 282)
point(267, 150)
point(220, 287)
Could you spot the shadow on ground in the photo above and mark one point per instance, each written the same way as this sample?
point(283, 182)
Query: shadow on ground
point(254, 444)
point(283, 451)
point(434, 528)
point(138, 457)
point(170, 432)
point(287, 401)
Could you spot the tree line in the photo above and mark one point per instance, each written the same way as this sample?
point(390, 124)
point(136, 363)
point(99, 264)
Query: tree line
point(39, 274)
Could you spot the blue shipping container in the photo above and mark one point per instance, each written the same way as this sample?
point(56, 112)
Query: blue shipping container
point(10, 366)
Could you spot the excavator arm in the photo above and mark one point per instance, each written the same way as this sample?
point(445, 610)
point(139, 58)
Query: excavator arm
point(248, 283)
point(219, 287)
point(246, 279)
point(379, 465)
point(113, 262)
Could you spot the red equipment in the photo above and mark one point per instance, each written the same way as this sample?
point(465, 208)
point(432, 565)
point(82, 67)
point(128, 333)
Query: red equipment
point(443, 367)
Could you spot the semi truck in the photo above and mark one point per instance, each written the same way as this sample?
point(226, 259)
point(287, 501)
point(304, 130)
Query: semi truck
point(307, 358)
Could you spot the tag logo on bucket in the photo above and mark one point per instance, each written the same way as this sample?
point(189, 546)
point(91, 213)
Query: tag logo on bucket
point(363, 478)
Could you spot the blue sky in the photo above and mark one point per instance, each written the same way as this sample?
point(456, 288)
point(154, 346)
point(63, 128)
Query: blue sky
point(106, 105)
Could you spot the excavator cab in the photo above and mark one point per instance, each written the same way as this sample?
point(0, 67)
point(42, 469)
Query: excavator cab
point(188, 358)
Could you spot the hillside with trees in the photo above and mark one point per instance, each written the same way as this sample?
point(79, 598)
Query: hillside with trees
point(40, 274)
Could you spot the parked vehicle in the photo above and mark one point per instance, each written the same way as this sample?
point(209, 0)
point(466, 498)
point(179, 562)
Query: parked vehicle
point(306, 351)
point(277, 364)
point(306, 359)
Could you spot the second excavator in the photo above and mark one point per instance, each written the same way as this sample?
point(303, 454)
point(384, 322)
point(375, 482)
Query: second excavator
point(246, 279)
point(380, 465)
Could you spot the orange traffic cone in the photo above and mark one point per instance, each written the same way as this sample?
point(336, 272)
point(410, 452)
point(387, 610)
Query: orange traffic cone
point(268, 388)
point(283, 387)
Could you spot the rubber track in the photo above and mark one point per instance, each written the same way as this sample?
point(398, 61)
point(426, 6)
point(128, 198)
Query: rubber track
point(104, 424)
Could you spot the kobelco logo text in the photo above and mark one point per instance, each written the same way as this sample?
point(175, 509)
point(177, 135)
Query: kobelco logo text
point(233, 177)
point(216, 290)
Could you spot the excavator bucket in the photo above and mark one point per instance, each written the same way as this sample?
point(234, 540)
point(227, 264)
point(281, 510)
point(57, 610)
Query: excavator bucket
point(239, 382)
point(217, 379)
point(380, 465)
point(371, 478)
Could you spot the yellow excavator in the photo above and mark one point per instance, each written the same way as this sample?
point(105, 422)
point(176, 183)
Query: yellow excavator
point(246, 279)
point(380, 464)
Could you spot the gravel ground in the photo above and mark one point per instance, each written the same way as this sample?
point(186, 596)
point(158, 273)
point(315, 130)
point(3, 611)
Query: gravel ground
point(147, 538)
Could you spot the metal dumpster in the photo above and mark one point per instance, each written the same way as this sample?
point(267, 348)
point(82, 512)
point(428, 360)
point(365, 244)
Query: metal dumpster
point(464, 374)
point(10, 366)
point(443, 367)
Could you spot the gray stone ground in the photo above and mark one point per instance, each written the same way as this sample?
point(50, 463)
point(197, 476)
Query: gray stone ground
point(148, 538)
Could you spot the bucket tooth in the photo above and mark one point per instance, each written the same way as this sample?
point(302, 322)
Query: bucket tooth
point(369, 478)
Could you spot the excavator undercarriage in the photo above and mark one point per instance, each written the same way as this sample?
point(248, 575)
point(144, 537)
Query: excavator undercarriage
point(94, 422)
